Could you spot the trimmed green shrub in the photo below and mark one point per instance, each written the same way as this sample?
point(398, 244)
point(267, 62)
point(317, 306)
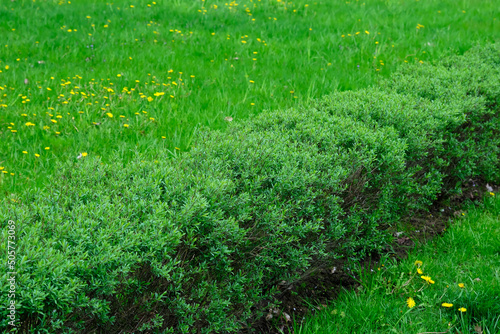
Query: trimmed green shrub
point(200, 243)
point(467, 86)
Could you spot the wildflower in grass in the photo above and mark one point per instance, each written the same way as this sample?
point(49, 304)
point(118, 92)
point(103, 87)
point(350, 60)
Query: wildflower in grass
point(29, 124)
point(25, 152)
point(447, 305)
point(125, 125)
point(418, 263)
point(47, 148)
point(53, 121)
point(492, 194)
point(461, 285)
point(427, 279)
point(410, 302)
point(462, 309)
point(419, 271)
point(110, 115)
point(37, 155)
point(84, 154)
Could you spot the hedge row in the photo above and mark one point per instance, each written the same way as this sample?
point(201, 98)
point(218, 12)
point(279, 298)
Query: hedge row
point(201, 242)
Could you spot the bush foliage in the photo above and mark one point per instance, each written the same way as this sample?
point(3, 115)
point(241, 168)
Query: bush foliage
point(201, 242)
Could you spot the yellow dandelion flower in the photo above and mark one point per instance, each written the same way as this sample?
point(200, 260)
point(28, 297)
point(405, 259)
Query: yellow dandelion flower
point(461, 285)
point(125, 125)
point(84, 154)
point(177, 148)
point(447, 305)
point(418, 263)
point(462, 309)
point(47, 148)
point(110, 115)
point(37, 155)
point(7, 67)
point(163, 137)
point(426, 278)
point(492, 194)
point(419, 271)
point(410, 302)
point(53, 121)
point(25, 152)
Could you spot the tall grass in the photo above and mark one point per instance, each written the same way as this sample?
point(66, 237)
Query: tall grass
point(94, 77)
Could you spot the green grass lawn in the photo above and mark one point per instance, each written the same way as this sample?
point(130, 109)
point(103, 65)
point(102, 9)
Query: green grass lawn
point(453, 283)
point(90, 77)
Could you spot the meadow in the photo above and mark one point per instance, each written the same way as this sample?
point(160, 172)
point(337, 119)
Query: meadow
point(87, 78)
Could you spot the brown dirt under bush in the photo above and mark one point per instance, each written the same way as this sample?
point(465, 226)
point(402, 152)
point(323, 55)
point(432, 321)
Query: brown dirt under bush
point(324, 287)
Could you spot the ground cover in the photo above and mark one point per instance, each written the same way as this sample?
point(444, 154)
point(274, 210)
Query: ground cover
point(448, 285)
point(86, 78)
